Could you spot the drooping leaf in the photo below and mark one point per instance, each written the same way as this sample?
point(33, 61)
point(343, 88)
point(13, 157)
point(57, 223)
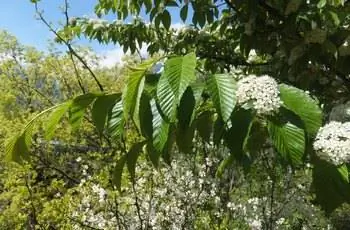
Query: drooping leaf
point(179, 73)
point(236, 134)
point(289, 140)
point(78, 108)
point(224, 164)
point(205, 125)
point(133, 91)
point(54, 118)
point(185, 128)
point(146, 117)
point(118, 172)
point(219, 130)
point(160, 128)
point(223, 92)
point(302, 105)
point(17, 148)
point(168, 148)
point(184, 12)
point(100, 109)
point(115, 122)
point(186, 108)
point(153, 154)
point(166, 19)
point(132, 156)
point(331, 185)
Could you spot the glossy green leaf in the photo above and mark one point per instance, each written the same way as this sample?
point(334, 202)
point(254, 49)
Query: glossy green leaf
point(223, 92)
point(132, 156)
point(118, 172)
point(331, 185)
point(78, 108)
point(185, 127)
point(300, 103)
point(205, 125)
point(179, 73)
point(133, 91)
point(17, 148)
point(146, 117)
point(235, 136)
point(184, 12)
point(289, 141)
point(166, 19)
point(160, 128)
point(54, 118)
point(100, 109)
point(116, 121)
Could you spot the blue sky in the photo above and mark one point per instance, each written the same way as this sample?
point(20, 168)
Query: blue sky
point(18, 17)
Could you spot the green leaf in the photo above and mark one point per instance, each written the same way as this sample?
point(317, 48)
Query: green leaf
point(205, 125)
point(219, 130)
point(78, 107)
point(321, 3)
point(179, 73)
point(115, 123)
point(17, 148)
point(184, 12)
point(160, 128)
point(133, 91)
point(300, 103)
point(166, 19)
point(118, 172)
point(289, 140)
point(238, 131)
point(223, 92)
point(55, 117)
point(132, 156)
point(331, 185)
point(100, 109)
point(146, 117)
point(336, 3)
point(223, 165)
point(334, 17)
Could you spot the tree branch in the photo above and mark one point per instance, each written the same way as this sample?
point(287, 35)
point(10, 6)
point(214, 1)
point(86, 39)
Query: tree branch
point(68, 45)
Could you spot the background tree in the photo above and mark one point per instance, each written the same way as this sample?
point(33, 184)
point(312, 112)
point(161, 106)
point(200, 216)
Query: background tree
point(256, 79)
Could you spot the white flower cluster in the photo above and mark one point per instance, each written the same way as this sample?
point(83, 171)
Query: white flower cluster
point(262, 92)
point(91, 209)
point(252, 211)
point(332, 142)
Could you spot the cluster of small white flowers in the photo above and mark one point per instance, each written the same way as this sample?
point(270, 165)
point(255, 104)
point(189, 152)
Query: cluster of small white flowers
point(250, 210)
point(93, 198)
point(261, 91)
point(340, 112)
point(332, 142)
point(181, 190)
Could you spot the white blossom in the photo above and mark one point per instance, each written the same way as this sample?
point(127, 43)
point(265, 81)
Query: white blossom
point(332, 142)
point(261, 92)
